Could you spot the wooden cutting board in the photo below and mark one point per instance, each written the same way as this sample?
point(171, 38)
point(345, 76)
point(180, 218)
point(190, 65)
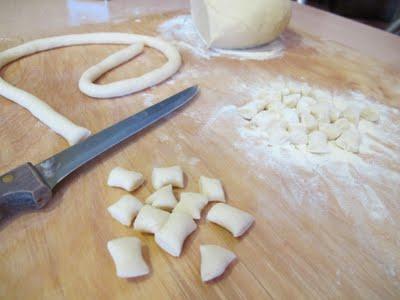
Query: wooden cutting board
point(295, 249)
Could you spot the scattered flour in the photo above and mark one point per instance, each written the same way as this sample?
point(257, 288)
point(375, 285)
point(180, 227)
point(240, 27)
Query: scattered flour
point(182, 31)
point(363, 185)
point(148, 99)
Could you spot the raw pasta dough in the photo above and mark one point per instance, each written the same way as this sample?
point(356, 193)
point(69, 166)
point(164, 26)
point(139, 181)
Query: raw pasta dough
point(174, 232)
point(125, 179)
point(231, 218)
point(212, 188)
point(150, 219)
point(192, 204)
point(60, 124)
point(214, 261)
point(126, 253)
point(163, 198)
point(125, 209)
point(163, 176)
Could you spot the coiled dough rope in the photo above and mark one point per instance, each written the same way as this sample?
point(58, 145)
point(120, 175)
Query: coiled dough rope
point(57, 122)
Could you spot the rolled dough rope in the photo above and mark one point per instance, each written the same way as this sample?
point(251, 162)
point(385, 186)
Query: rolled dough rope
point(60, 124)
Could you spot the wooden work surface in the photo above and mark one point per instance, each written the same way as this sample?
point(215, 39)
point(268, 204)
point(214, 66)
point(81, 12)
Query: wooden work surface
point(294, 250)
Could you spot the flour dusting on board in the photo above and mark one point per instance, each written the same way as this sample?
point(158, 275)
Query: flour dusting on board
point(352, 180)
point(182, 31)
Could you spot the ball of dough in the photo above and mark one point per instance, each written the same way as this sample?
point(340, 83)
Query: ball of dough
point(240, 24)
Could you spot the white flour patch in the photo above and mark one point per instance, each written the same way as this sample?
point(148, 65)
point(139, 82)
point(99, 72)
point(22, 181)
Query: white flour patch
point(183, 33)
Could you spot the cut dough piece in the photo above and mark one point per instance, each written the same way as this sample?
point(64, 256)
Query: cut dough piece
point(350, 140)
point(331, 130)
point(61, 125)
point(163, 198)
point(321, 112)
point(304, 104)
point(352, 114)
point(275, 106)
point(285, 91)
point(192, 204)
point(290, 116)
point(164, 176)
point(322, 95)
point(305, 89)
point(249, 110)
point(214, 261)
point(334, 113)
point(271, 95)
point(126, 253)
point(127, 180)
point(370, 114)
point(277, 85)
point(174, 232)
point(298, 135)
point(342, 124)
point(150, 219)
point(125, 209)
point(212, 189)
point(309, 122)
point(291, 100)
point(264, 119)
point(235, 24)
point(318, 142)
point(231, 218)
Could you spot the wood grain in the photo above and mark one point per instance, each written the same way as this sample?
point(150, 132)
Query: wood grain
point(292, 251)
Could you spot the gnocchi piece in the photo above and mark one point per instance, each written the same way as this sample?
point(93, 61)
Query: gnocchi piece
point(231, 218)
point(305, 89)
point(331, 130)
point(126, 253)
point(164, 176)
point(294, 87)
point(340, 102)
point(352, 114)
point(291, 100)
point(212, 189)
point(150, 219)
point(192, 204)
point(264, 119)
point(370, 114)
point(172, 235)
point(125, 209)
point(163, 198)
point(275, 106)
point(309, 122)
point(350, 140)
point(342, 124)
point(285, 91)
point(322, 95)
point(127, 180)
point(290, 116)
point(334, 113)
point(318, 142)
point(214, 261)
point(249, 110)
point(304, 104)
point(321, 112)
point(298, 135)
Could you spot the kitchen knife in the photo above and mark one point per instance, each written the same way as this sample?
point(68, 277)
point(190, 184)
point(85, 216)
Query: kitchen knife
point(30, 186)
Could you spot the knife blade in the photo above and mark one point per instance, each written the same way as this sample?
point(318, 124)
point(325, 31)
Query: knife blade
point(30, 187)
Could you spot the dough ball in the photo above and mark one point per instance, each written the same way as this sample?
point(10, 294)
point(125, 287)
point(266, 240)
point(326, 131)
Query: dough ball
point(240, 24)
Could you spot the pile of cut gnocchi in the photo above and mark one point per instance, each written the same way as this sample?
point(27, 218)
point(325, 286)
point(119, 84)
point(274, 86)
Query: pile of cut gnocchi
point(171, 221)
point(293, 113)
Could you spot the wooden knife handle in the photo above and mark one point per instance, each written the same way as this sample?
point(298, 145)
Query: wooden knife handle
point(23, 189)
